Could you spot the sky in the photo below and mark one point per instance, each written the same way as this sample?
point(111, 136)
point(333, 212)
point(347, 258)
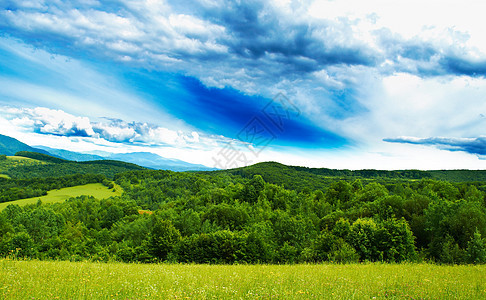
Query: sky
point(347, 84)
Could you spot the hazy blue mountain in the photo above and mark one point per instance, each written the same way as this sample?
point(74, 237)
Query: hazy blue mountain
point(10, 146)
point(71, 155)
point(154, 161)
point(144, 159)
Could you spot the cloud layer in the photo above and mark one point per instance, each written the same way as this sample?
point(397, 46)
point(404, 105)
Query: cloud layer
point(255, 47)
point(469, 145)
point(238, 41)
point(357, 71)
point(57, 122)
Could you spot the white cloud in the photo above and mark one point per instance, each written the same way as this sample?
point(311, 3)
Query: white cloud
point(256, 46)
point(411, 18)
point(47, 121)
point(75, 87)
point(365, 70)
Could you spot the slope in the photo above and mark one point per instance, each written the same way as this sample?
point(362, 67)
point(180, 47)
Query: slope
point(10, 146)
point(300, 178)
point(96, 190)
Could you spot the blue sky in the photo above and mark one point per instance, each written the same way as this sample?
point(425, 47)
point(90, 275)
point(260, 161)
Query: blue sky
point(340, 84)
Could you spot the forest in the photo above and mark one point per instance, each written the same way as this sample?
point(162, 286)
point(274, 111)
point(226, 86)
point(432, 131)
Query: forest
point(266, 213)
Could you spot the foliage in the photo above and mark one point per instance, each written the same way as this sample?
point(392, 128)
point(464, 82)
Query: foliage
point(163, 238)
point(231, 217)
point(299, 178)
point(476, 249)
point(96, 190)
point(12, 162)
point(40, 157)
point(13, 189)
point(106, 168)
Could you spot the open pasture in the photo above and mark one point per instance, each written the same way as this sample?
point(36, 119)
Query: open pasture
point(87, 280)
point(97, 190)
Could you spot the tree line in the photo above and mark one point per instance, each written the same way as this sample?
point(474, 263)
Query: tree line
point(220, 217)
point(14, 189)
point(57, 167)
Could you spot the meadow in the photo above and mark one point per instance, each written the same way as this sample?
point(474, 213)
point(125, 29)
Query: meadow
point(96, 190)
point(88, 280)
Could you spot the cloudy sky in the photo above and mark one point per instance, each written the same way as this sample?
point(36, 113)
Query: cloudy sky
point(341, 84)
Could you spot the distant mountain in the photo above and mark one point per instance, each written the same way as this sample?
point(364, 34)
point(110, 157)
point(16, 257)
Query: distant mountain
point(70, 155)
point(144, 159)
point(10, 146)
point(154, 161)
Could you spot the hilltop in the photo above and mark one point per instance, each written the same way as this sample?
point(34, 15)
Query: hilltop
point(10, 146)
point(300, 178)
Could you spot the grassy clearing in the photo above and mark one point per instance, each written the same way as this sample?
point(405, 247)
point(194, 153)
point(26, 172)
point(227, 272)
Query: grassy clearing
point(96, 190)
point(83, 280)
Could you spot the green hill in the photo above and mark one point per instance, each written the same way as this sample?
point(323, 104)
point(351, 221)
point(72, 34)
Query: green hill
point(40, 156)
point(241, 215)
point(56, 167)
point(300, 178)
point(96, 190)
point(10, 146)
point(10, 162)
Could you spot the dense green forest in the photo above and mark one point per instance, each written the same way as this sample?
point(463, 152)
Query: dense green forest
point(266, 213)
point(300, 178)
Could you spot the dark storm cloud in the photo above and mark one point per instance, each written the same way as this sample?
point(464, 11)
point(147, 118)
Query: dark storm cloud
point(469, 145)
point(463, 66)
point(214, 40)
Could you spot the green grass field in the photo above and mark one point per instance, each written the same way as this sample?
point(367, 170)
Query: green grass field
point(84, 280)
point(96, 190)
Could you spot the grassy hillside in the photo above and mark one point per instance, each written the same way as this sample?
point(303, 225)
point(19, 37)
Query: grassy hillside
point(40, 156)
point(55, 167)
point(96, 190)
point(17, 161)
point(82, 280)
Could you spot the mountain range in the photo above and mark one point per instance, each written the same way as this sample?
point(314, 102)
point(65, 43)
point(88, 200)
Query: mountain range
point(10, 146)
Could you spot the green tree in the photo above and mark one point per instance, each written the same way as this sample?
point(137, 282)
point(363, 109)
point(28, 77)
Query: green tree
point(476, 249)
point(163, 237)
point(362, 238)
point(253, 189)
point(371, 192)
point(188, 223)
point(227, 216)
point(22, 245)
point(339, 193)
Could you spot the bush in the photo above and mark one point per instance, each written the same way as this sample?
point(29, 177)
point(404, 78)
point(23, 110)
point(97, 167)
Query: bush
point(163, 238)
point(476, 249)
